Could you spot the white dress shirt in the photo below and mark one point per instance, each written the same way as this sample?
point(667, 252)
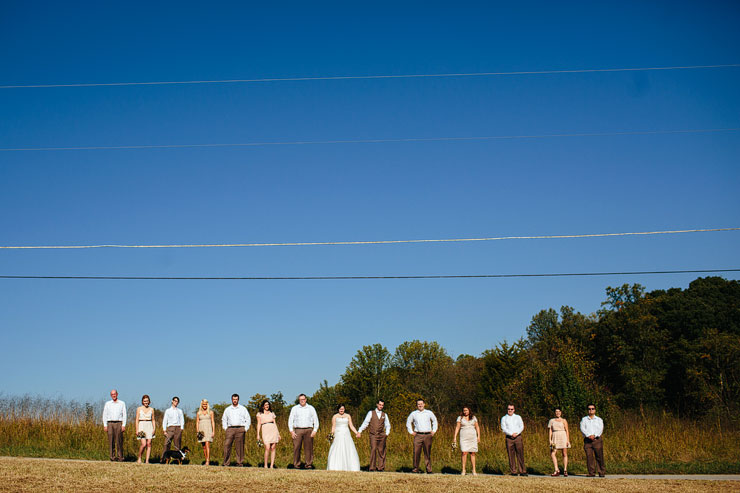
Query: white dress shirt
point(512, 424)
point(303, 417)
point(173, 417)
point(236, 416)
point(424, 422)
point(591, 426)
point(369, 416)
point(114, 411)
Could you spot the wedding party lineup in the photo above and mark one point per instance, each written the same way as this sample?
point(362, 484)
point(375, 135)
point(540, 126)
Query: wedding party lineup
point(303, 424)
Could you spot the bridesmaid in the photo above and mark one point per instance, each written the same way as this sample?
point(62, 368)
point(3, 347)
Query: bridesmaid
point(145, 425)
point(467, 426)
point(270, 434)
point(559, 440)
point(204, 424)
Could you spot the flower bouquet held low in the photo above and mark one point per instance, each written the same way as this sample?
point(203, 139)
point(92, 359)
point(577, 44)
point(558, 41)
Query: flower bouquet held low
point(140, 435)
point(201, 435)
point(454, 446)
point(259, 443)
point(330, 437)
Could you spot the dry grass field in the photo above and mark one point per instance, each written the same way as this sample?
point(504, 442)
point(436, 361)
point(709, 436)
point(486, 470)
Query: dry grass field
point(49, 475)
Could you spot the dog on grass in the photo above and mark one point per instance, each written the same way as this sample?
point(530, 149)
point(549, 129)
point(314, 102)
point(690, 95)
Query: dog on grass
point(176, 455)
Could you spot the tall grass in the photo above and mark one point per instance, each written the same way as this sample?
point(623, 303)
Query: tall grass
point(654, 443)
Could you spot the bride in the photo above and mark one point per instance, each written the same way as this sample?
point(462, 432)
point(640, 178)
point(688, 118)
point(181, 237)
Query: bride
point(342, 454)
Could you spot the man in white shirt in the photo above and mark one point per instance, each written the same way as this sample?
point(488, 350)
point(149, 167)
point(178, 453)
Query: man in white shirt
point(235, 422)
point(303, 424)
point(424, 427)
point(114, 423)
point(513, 426)
point(173, 423)
point(592, 428)
point(379, 427)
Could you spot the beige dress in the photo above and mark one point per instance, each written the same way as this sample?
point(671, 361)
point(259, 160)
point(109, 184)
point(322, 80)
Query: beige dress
point(145, 422)
point(270, 432)
point(204, 426)
point(468, 435)
point(559, 437)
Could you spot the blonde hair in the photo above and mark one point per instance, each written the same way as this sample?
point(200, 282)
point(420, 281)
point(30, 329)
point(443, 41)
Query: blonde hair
point(208, 406)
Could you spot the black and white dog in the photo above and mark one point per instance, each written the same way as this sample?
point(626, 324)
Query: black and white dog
point(177, 454)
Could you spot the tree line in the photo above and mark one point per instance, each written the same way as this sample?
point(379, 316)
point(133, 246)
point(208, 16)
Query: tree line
point(677, 350)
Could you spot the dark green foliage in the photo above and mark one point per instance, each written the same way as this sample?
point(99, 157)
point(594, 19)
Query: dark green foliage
point(675, 350)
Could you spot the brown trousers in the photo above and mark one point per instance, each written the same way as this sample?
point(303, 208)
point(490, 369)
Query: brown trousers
point(423, 442)
point(594, 455)
point(515, 449)
point(303, 437)
point(235, 437)
point(377, 452)
point(173, 435)
point(115, 440)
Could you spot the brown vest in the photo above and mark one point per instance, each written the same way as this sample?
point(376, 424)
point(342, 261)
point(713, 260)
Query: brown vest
point(377, 426)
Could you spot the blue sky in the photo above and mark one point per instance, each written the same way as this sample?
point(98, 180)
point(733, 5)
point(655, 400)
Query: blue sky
point(80, 338)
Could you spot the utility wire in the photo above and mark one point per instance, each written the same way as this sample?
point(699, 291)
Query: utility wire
point(367, 77)
point(375, 141)
point(376, 242)
point(345, 278)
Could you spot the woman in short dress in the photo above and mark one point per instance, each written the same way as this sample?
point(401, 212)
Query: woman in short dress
point(467, 426)
point(204, 427)
point(270, 434)
point(145, 427)
point(559, 440)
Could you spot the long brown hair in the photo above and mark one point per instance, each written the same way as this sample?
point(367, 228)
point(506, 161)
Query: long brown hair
point(470, 413)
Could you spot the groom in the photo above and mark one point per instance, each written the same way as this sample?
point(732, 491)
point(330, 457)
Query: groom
point(378, 426)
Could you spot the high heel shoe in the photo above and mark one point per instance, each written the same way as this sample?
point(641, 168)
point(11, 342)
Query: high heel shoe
point(555, 474)
point(565, 474)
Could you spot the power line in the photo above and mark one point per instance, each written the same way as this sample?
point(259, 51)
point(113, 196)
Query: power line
point(367, 77)
point(375, 141)
point(345, 278)
point(375, 242)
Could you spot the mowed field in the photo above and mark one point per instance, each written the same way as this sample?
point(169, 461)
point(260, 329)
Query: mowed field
point(24, 474)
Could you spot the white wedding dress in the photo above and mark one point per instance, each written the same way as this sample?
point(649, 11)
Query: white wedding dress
point(343, 454)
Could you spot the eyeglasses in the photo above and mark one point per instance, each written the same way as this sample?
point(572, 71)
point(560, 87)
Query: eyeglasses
point(591, 408)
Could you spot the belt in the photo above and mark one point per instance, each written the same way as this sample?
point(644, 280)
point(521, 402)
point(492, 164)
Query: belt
point(140, 420)
point(119, 421)
point(512, 437)
point(239, 426)
point(268, 423)
point(303, 428)
point(423, 432)
point(595, 438)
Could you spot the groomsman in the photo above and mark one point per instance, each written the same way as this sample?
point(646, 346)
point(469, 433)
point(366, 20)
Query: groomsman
point(303, 424)
point(592, 428)
point(513, 426)
point(114, 423)
point(424, 427)
point(235, 422)
point(173, 423)
point(378, 427)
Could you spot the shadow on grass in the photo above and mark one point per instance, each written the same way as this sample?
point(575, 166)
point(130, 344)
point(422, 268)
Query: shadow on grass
point(489, 469)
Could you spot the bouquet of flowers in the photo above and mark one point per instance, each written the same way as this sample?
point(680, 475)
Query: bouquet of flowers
point(140, 435)
point(454, 446)
point(330, 437)
point(201, 435)
point(259, 443)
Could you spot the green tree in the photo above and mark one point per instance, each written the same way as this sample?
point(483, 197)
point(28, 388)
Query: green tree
point(631, 347)
point(500, 367)
point(425, 368)
point(367, 378)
